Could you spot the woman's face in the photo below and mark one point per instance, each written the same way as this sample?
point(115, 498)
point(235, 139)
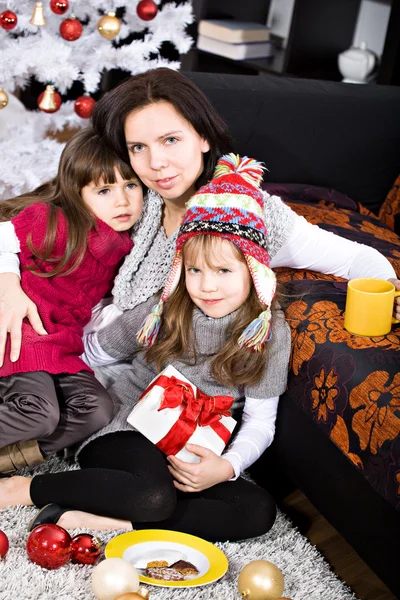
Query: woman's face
point(165, 151)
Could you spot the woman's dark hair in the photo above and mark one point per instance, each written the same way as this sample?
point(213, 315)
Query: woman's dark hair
point(162, 85)
point(85, 159)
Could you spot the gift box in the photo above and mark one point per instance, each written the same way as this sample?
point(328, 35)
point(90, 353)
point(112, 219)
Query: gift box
point(172, 412)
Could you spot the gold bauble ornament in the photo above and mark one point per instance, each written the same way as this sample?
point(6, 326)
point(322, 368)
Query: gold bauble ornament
point(109, 26)
point(113, 577)
point(38, 15)
point(139, 595)
point(260, 580)
point(3, 98)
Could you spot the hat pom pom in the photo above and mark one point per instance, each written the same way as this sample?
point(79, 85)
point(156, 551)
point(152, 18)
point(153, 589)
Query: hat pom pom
point(251, 170)
point(257, 333)
point(150, 327)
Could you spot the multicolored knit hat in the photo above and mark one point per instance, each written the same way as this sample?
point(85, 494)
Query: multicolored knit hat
point(230, 206)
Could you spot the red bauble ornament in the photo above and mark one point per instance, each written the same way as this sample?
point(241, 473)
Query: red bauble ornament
point(146, 10)
point(4, 545)
point(86, 549)
point(49, 546)
point(59, 7)
point(8, 19)
point(71, 29)
point(52, 101)
point(83, 106)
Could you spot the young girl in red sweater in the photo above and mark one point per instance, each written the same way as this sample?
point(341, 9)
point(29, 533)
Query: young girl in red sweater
point(71, 234)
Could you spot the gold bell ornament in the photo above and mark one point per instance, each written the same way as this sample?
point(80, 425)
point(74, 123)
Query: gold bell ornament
point(38, 15)
point(139, 595)
point(109, 26)
point(260, 580)
point(3, 98)
point(49, 101)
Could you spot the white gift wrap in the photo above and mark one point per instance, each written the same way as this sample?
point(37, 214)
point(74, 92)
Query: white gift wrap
point(155, 424)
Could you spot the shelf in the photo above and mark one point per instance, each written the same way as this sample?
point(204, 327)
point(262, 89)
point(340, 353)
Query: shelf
point(273, 64)
point(319, 32)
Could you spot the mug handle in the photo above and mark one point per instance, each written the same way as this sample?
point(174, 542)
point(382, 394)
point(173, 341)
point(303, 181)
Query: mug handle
point(396, 294)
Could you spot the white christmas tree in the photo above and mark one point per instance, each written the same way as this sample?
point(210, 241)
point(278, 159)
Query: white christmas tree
point(80, 51)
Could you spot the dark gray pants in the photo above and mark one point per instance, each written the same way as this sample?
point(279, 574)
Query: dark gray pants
point(56, 410)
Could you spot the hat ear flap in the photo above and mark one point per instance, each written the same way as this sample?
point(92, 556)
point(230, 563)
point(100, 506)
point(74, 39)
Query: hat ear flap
point(258, 332)
point(150, 327)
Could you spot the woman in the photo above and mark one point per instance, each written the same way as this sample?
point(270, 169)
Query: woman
point(163, 124)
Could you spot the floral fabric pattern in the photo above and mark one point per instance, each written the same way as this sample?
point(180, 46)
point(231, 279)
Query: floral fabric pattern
point(349, 385)
point(390, 209)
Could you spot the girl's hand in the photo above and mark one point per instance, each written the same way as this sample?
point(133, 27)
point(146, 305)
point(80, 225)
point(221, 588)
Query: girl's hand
point(396, 310)
point(211, 469)
point(14, 307)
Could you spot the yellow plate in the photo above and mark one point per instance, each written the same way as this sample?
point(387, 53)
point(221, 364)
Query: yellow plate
point(209, 560)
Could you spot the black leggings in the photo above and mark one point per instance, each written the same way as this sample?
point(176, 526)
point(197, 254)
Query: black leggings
point(125, 476)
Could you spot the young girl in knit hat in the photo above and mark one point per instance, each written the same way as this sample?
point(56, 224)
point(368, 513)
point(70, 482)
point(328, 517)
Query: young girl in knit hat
point(71, 235)
point(216, 322)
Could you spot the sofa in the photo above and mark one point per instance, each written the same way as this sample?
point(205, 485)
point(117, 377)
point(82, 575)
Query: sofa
point(333, 154)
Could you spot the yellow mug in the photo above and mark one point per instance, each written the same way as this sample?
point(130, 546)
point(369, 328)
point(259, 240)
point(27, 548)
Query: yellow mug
point(369, 306)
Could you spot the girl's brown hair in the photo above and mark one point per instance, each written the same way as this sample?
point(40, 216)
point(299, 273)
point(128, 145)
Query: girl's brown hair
point(162, 85)
point(233, 365)
point(85, 159)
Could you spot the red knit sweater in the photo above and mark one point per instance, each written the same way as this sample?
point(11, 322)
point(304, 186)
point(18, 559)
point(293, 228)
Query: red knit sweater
point(64, 302)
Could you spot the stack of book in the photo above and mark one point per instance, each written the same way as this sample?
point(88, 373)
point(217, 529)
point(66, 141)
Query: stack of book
point(238, 40)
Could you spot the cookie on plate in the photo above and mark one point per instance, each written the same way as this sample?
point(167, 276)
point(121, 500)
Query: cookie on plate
point(185, 567)
point(165, 574)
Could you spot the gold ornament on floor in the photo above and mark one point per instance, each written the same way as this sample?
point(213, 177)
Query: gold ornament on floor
point(3, 98)
point(139, 595)
point(260, 580)
point(38, 15)
point(109, 26)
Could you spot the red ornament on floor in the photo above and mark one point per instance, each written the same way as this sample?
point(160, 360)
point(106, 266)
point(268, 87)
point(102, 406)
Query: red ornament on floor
point(4, 545)
point(8, 20)
point(86, 549)
point(59, 7)
point(146, 10)
point(83, 106)
point(71, 29)
point(49, 546)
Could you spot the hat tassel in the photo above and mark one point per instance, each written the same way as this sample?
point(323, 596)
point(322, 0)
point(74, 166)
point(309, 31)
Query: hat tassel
point(257, 333)
point(150, 327)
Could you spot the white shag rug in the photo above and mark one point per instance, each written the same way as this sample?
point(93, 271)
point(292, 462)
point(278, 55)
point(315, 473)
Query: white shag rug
point(307, 574)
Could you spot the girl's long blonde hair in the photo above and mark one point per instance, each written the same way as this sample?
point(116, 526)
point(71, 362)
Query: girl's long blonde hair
point(85, 159)
point(233, 365)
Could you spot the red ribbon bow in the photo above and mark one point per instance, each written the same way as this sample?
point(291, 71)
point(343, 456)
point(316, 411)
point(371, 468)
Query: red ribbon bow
point(199, 410)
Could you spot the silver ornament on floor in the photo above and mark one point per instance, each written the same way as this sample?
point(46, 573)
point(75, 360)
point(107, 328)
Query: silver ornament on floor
point(114, 577)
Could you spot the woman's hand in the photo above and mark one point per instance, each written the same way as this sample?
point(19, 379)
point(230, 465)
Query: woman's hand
point(396, 310)
point(14, 307)
point(211, 469)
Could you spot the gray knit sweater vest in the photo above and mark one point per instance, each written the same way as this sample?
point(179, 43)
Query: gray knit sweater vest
point(210, 335)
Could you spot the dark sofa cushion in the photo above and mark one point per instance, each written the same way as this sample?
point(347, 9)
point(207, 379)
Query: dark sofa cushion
point(339, 136)
point(348, 385)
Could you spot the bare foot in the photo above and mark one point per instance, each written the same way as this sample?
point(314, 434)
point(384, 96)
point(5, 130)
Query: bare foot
point(14, 491)
point(76, 519)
